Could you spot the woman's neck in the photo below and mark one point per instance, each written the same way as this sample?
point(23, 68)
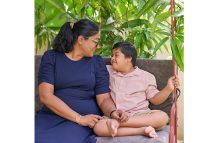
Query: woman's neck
point(74, 55)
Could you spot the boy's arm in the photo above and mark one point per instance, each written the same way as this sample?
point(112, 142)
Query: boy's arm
point(161, 96)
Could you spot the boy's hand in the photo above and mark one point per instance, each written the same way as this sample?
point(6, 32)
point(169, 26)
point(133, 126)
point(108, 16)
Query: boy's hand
point(172, 81)
point(120, 115)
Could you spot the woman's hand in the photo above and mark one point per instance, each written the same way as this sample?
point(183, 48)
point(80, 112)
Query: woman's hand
point(172, 81)
point(120, 115)
point(89, 120)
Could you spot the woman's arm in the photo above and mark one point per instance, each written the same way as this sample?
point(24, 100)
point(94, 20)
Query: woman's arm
point(105, 103)
point(108, 107)
point(47, 97)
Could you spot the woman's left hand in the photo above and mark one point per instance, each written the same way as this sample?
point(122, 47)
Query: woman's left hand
point(120, 115)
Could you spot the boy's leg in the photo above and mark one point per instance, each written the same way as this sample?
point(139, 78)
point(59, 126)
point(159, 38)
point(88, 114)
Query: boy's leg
point(154, 118)
point(101, 129)
point(128, 131)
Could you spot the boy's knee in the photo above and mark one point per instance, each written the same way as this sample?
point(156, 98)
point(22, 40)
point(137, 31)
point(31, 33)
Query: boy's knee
point(163, 120)
point(165, 117)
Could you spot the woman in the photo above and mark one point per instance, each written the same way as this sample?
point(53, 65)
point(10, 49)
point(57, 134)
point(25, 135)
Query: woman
point(73, 84)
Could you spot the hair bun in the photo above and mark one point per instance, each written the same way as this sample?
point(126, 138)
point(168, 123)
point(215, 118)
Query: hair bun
point(71, 25)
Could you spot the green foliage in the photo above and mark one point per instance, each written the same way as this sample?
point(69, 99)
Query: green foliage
point(145, 23)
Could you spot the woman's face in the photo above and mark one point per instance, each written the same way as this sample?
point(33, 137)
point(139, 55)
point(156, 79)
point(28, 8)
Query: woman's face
point(118, 60)
point(90, 44)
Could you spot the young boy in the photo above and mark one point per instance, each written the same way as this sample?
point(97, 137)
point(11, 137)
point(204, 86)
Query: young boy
point(131, 90)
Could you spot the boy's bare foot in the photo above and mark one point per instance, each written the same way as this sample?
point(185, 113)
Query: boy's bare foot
point(112, 125)
point(150, 132)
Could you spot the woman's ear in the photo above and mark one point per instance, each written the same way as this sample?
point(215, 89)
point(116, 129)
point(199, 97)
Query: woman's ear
point(80, 39)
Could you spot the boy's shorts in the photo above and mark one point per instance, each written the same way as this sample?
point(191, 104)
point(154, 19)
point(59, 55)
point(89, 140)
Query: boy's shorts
point(139, 113)
point(143, 112)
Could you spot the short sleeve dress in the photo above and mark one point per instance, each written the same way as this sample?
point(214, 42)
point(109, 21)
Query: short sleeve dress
point(77, 83)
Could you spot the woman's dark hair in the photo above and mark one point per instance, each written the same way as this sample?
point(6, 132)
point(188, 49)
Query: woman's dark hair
point(70, 32)
point(128, 50)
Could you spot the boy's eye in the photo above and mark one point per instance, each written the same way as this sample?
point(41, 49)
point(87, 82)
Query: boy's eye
point(115, 55)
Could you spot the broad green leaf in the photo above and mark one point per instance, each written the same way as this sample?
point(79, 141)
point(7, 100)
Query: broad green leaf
point(159, 18)
point(107, 28)
point(118, 39)
point(163, 41)
point(164, 33)
point(166, 48)
point(146, 54)
point(141, 4)
point(57, 4)
point(179, 13)
point(177, 55)
point(162, 6)
point(138, 40)
point(182, 54)
point(149, 44)
point(149, 4)
point(134, 23)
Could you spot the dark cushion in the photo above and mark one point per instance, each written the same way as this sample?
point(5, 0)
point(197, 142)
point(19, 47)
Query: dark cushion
point(38, 104)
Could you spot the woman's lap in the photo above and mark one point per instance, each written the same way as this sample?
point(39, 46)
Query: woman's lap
point(54, 129)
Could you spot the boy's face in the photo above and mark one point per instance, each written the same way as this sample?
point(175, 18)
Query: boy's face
point(118, 60)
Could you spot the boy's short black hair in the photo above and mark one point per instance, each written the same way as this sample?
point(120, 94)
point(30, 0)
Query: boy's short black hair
point(128, 50)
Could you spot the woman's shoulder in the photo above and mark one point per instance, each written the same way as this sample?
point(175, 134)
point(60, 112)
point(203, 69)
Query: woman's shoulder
point(99, 62)
point(49, 55)
point(98, 59)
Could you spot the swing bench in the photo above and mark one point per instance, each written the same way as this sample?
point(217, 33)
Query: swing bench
point(162, 70)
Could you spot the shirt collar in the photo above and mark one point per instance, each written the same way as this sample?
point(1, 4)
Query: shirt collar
point(135, 72)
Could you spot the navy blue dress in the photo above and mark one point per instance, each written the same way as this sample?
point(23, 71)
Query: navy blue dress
point(76, 83)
